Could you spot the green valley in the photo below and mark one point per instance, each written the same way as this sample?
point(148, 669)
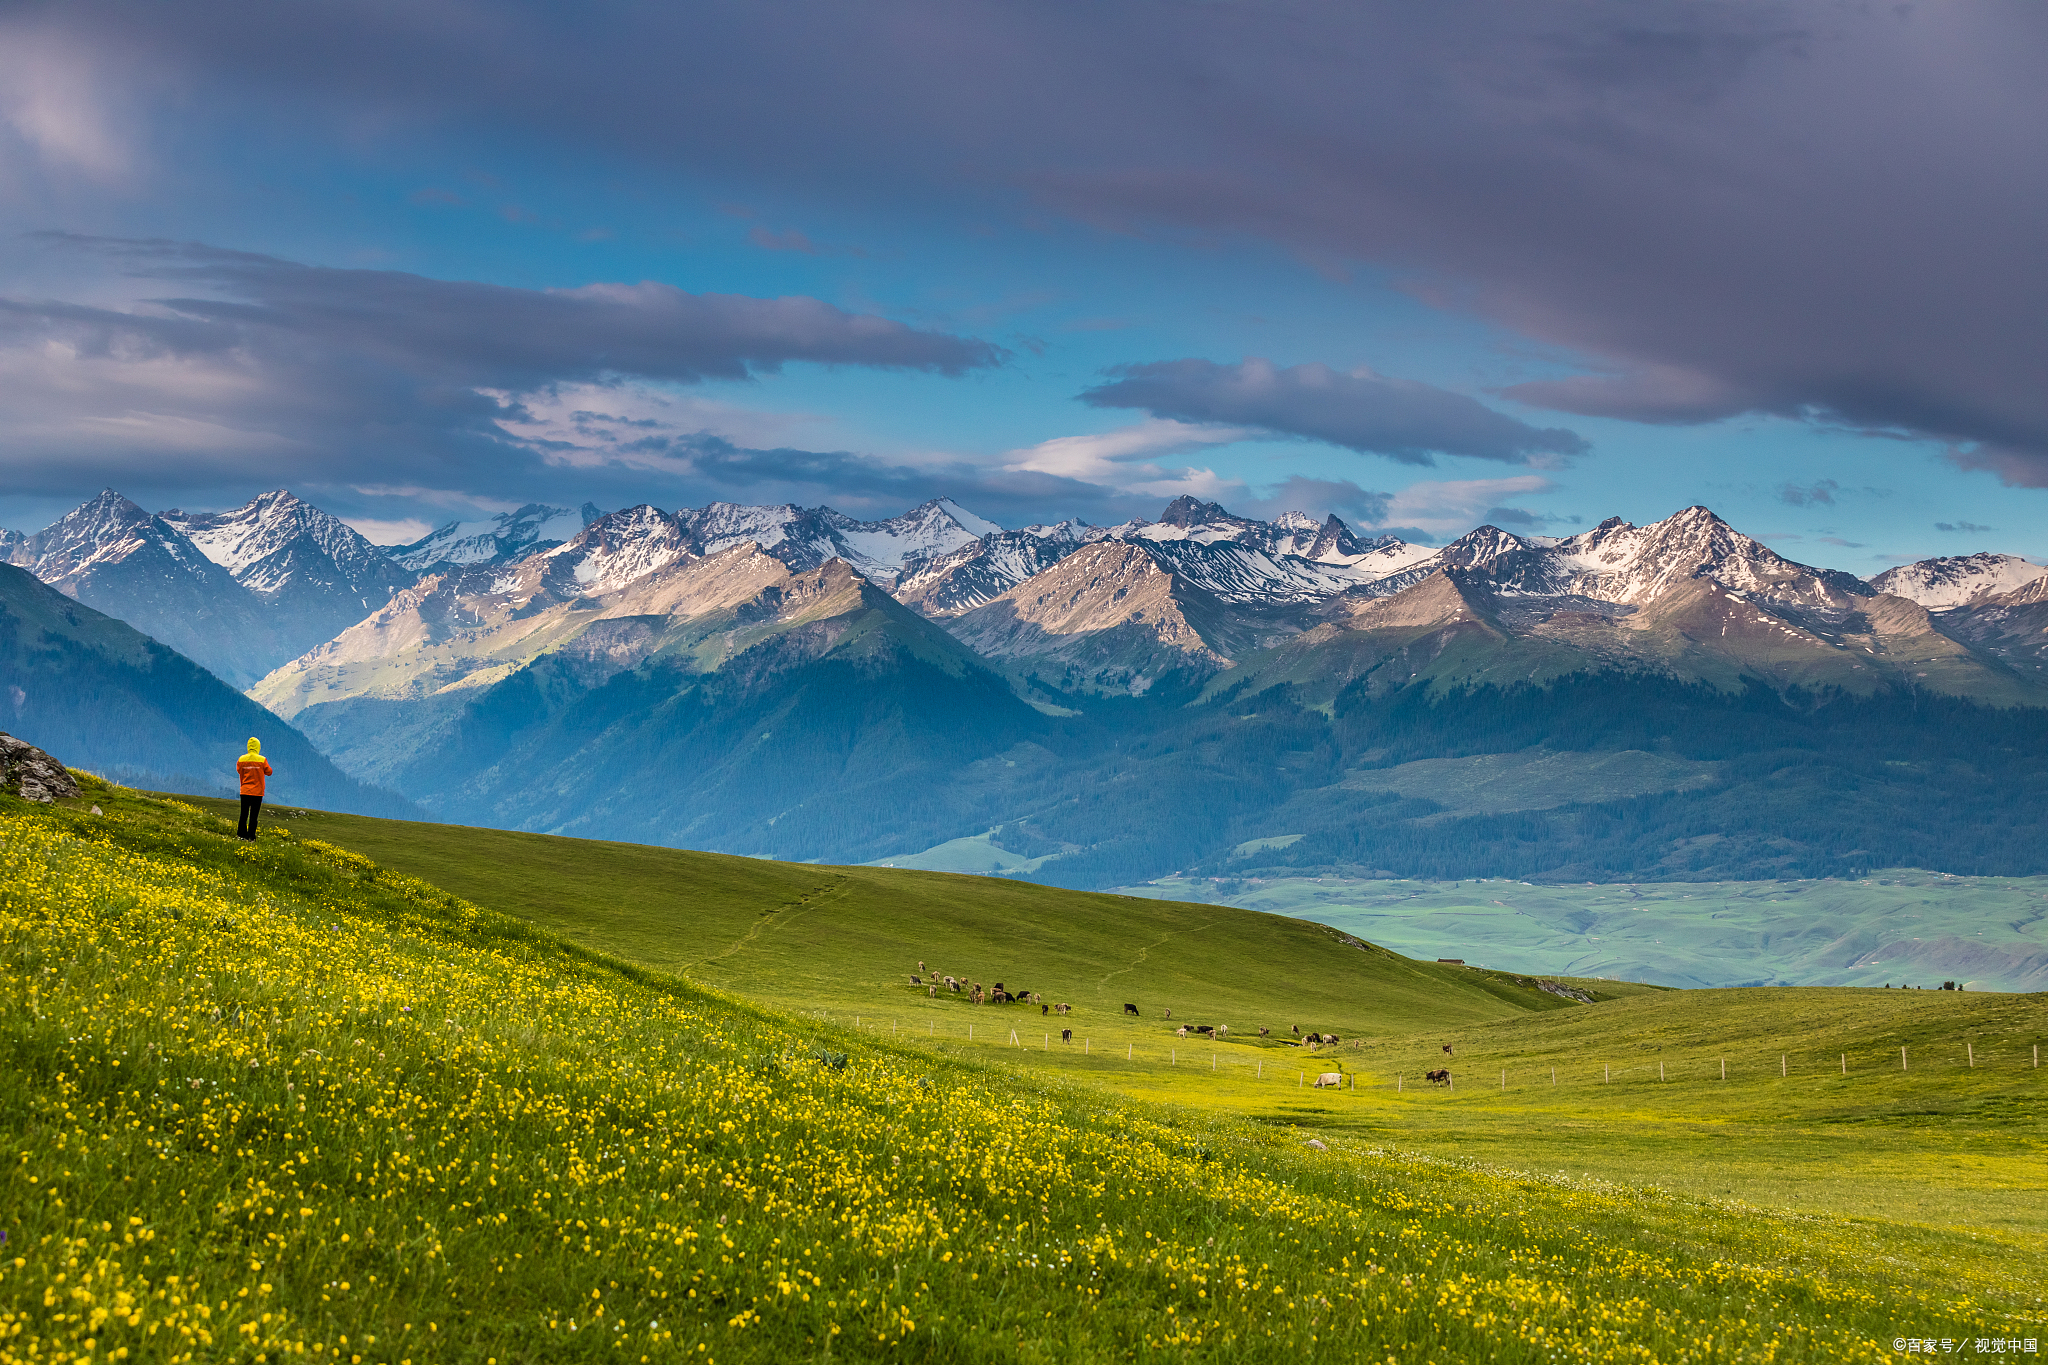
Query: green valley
point(1895, 927)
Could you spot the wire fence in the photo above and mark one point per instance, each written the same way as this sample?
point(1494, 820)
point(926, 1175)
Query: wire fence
point(1230, 1061)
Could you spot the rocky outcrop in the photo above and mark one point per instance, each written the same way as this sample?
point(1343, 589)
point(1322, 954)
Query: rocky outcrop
point(31, 774)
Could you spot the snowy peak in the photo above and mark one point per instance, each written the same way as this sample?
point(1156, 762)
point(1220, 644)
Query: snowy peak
point(108, 529)
point(500, 539)
point(1958, 580)
point(805, 538)
point(276, 538)
point(934, 528)
point(616, 549)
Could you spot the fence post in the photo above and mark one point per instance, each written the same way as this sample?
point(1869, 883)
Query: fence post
point(1605, 1074)
point(1301, 1080)
point(1660, 1068)
point(1127, 1051)
point(1724, 1068)
point(1397, 1079)
point(1902, 1059)
point(1553, 1075)
point(1781, 1064)
point(1503, 1081)
point(1845, 1064)
point(1971, 1052)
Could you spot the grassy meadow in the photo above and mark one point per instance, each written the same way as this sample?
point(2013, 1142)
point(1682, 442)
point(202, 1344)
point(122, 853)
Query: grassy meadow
point(281, 1101)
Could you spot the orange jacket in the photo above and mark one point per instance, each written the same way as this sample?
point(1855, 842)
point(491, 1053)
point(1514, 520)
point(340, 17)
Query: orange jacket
point(252, 769)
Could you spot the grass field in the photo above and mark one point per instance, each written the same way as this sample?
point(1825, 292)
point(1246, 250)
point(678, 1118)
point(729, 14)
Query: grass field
point(1901, 926)
point(276, 1102)
point(848, 939)
point(1940, 1146)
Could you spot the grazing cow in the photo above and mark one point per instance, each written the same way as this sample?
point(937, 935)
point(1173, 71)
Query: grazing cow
point(1297, 1030)
point(1447, 1049)
point(915, 982)
point(1043, 1011)
point(920, 964)
point(1222, 1030)
point(1440, 1076)
point(1330, 1080)
point(1265, 1032)
point(1066, 1035)
point(1037, 999)
point(932, 991)
point(975, 995)
point(1169, 1014)
point(954, 983)
point(1329, 1037)
point(1315, 1038)
point(1181, 1032)
point(1130, 1009)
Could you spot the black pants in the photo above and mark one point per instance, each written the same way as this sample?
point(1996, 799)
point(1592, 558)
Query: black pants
point(251, 807)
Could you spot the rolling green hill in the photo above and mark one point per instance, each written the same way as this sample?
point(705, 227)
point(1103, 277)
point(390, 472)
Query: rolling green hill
point(276, 1101)
point(107, 697)
point(1944, 1145)
point(848, 939)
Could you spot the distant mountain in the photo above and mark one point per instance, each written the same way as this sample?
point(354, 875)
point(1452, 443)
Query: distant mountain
point(984, 569)
point(1106, 618)
point(314, 574)
point(138, 568)
point(1958, 580)
point(623, 687)
point(1107, 704)
point(105, 697)
point(807, 538)
point(496, 540)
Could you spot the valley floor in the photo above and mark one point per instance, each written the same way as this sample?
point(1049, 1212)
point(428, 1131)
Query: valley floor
point(1898, 927)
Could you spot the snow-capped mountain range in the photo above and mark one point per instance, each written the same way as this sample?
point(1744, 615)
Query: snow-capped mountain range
point(248, 589)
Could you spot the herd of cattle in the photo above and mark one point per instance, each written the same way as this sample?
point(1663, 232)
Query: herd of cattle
point(976, 994)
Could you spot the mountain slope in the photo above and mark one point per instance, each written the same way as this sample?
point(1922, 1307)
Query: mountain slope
point(315, 575)
point(113, 700)
point(1106, 618)
point(118, 559)
point(507, 536)
point(1958, 580)
point(621, 683)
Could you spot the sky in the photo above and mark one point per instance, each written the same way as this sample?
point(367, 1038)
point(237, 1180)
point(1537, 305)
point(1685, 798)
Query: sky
point(1425, 267)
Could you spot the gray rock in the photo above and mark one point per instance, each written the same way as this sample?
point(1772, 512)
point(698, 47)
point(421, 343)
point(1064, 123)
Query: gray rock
point(30, 773)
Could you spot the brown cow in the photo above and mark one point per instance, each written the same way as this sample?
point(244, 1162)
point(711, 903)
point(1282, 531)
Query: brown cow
point(1441, 1076)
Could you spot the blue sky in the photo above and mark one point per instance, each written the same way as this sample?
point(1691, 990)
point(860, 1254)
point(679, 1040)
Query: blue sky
point(1772, 259)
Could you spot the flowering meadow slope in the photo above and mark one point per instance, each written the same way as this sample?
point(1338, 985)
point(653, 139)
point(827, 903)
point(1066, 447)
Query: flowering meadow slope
point(272, 1102)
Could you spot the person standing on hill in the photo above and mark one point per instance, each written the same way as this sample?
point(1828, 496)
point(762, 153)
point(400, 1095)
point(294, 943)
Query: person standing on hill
point(252, 767)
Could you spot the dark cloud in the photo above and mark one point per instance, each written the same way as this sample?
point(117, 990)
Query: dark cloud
point(263, 368)
point(1781, 206)
point(1969, 527)
point(1823, 491)
point(1401, 419)
point(489, 334)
